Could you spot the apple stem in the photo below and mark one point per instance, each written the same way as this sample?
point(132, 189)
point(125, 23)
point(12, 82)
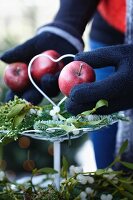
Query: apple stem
point(18, 71)
point(80, 69)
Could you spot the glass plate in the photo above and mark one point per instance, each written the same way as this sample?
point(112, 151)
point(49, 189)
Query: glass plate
point(58, 134)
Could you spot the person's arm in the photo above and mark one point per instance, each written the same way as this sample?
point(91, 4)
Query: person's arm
point(76, 13)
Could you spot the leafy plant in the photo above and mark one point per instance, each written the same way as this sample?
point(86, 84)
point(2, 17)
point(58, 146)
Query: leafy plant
point(19, 115)
point(15, 117)
point(75, 184)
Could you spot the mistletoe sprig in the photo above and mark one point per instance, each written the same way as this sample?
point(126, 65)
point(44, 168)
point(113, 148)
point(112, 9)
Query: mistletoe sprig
point(19, 115)
point(65, 124)
point(16, 116)
point(102, 184)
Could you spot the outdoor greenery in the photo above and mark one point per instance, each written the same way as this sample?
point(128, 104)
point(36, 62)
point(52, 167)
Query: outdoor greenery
point(19, 115)
point(103, 184)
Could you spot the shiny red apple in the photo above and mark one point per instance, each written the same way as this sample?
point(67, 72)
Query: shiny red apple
point(43, 65)
point(75, 73)
point(16, 76)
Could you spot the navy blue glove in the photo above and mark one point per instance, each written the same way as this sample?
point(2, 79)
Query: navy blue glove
point(26, 51)
point(31, 94)
point(36, 45)
point(117, 89)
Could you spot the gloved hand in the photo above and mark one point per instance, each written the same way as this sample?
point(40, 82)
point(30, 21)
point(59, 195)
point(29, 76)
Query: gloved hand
point(36, 45)
point(31, 94)
point(117, 89)
point(26, 51)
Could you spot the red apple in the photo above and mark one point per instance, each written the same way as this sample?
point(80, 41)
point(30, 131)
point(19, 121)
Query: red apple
point(43, 65)
point(75, 73)
point(16, 76)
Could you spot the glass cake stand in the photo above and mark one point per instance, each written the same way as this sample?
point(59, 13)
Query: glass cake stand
point(49, 135)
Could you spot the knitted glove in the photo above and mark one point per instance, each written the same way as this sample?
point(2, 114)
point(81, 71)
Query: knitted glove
point(36, 45)
point(26, 51)
point(30, 94)
point(117, 89)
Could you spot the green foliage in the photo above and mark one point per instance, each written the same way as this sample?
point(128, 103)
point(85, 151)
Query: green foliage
point(123, 147)
point(71, 125)
point(99, 104)
point(15, 117)
point(116, 184)
point(18, 115)
point(65, 167)
point(46, 171)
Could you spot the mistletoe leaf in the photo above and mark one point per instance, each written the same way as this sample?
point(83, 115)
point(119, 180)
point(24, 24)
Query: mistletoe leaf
point(127, 164)
point(86, 113)
point(67, 128)
point(127, 194)
point(35, 171)
point(61, 117)
point(95, 122)
point(15, 110)
point(80, 124)
point(128, 187)
point(125, 180)
point(101, 103)
point(100, 171)
point(65, 167)
point(65, 163)
point(71, 120)
point(46, 170)
point(123, 147)
point(18, 119)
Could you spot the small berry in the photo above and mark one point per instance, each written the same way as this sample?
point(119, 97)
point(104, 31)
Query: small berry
point(56, 109)
point(89, 190)
point(83, 195)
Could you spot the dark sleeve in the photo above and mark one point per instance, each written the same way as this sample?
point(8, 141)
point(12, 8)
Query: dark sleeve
point(76, 13)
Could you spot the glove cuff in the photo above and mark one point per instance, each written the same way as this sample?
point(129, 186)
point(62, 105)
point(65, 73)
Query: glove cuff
point(67, 33)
